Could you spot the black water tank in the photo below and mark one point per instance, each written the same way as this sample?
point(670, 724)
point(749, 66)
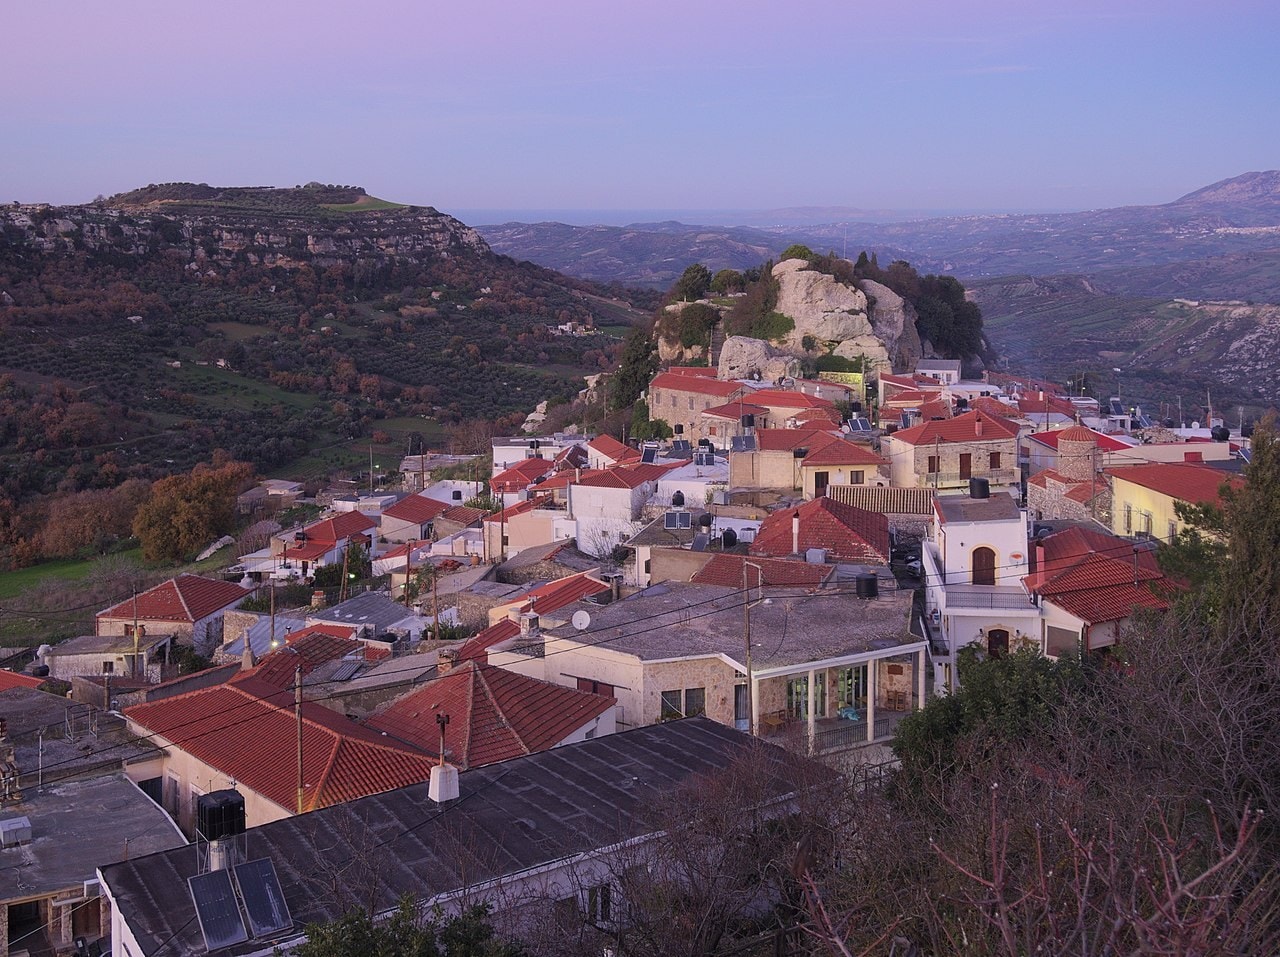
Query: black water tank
point(679, 429)
point(677, 499)
point(1220, 433)
point(749, 421)
point(729, 538)
point(855, 407)
point(40, 671)
point(704, 521)
point(867, 585)
point(799, 453)
point(220, 814)
point(979, 488)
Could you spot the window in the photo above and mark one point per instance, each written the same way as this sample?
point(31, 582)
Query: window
point(1128, 519)
point(820, 482)
point(712, 430)
point(1061, 641)
point(856, 477)
point(694, 701)
point(108, 667)
point(670, 706)
point(993, 462)
point(933, 465)
point(595, 687)
point(690, 403)
point(1173, 531)
point(1146, 524)
point(599, 904)
point(457, 495)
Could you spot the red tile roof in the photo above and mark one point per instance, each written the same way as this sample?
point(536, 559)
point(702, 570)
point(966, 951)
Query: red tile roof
point(494, 714)
point(417, 509)
point(343, 526)
point(734, 410)
point(704, 371)
point(1185, 481)
point(476, 648)
point(310, 648)
point(521, 475)
point(786, 399)
point(841, 452)
point(574, 457)
point(845, 532)
point(246, 730)
point(628, 476)
point(1095, 576)
point(727, 570)
point(702, 385)
point(463, 515)
point(187, 598)
point(11, 679)
point(565, 479)
point(817, 415)
point(786, 440)
point(610, 447)
point(1035, 405)
point(970, 427)
point(519, 508)
point(562, 592)
point(1105, 443)
point(309, 551)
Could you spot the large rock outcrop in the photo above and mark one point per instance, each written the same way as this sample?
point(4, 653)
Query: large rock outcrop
point(894, 321)
point(830, 313)
point(745, 358)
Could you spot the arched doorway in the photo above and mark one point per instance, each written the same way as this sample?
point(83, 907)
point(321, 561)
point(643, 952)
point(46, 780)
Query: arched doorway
point(997, 642)
point(984, 566)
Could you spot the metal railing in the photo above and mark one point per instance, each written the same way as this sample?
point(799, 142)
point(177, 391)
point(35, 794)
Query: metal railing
point(998, 477)
point(1010, 599)
point(852, 734)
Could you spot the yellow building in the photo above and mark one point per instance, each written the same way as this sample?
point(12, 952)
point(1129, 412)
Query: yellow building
point(1143, 497)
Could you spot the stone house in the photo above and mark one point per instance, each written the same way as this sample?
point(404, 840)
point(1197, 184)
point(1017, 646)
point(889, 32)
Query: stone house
point(774, 462)
point(189, 607)
point(945, 454)
point(680, 400)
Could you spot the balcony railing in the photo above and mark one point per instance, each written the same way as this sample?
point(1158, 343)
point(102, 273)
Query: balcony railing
point(986, 596)
point(949, 479)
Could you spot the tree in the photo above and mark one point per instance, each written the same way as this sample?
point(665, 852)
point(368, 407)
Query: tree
point(407, 932)
point(797, 251)
point(638, 364)
point(1250, 581)
point(643, 427)
point(185, 513)
point(727, 281)
point(692, 284)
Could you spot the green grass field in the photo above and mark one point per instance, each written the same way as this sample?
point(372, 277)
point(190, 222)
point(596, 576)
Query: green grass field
point(14, 583)
point(238, 331)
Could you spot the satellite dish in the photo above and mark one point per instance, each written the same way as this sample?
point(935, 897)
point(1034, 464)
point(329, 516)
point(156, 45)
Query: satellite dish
point(581, 620)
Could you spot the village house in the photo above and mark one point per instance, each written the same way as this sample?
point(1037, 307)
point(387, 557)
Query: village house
point(721, 424)
point(189, 607)
point(664, 547)
point(973, 562)
point(830, 667)
point(511, 450)
point(1144, 497)
point(116, 654)
point(66, 805)
point(824, 530)
point(841, 463)
point(1088, 584)
point(946, 371)
point(536, 830)
point(606, 505)
point(604, 451)
point(908, 511)
point(774, 457)
point(786, 408)
point(944, 455)
point(411, 519)
point(680, 400)
point(533, 522)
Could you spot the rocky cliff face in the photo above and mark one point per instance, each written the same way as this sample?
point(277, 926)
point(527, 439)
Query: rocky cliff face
point(826, 311)
point(215, 238)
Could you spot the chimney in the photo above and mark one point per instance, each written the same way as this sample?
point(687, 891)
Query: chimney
point(528, 625)
point(447, 660)
point(317, 598)
point(795, 532)
point(977, 425)
point(444, 777)
point(247, 659)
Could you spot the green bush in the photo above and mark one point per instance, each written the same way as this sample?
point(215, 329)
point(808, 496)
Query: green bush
point(840, 364)
point(772, 325)
point(797, 251)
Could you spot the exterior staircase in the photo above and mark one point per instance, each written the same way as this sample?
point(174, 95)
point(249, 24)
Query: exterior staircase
point(717, 343)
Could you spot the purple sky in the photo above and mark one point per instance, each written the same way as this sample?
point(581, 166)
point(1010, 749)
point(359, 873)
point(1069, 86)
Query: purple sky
point(645, 105)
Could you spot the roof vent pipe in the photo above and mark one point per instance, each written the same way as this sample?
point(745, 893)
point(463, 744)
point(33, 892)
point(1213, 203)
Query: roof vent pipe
point(795, 532)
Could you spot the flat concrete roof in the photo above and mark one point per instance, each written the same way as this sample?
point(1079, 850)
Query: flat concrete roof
point(790, 626)
point(1000, 506)
point(77, 826)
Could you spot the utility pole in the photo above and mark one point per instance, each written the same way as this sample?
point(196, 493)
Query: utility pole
point(271, 642)
point(297, 713)
point(746, 637)
point(435, 604)
point(371, 468)
point(342, 588)
point(408, 572)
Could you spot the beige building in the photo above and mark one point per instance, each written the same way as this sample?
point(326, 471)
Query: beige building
point(680, 400)
point(689, 657)
point(944, 454)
